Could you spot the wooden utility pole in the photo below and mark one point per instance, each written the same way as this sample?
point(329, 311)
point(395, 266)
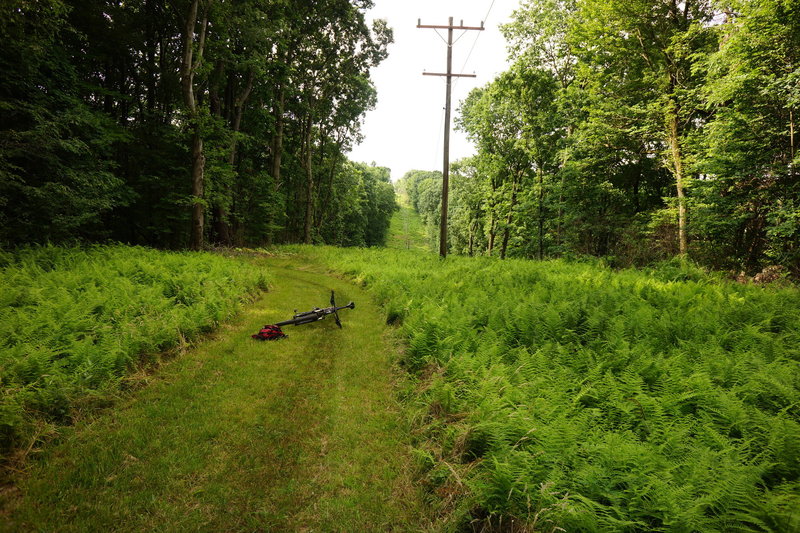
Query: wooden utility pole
point(450, 76)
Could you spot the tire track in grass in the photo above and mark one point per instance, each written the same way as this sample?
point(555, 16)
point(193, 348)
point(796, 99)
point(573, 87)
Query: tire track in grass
point(303, 434)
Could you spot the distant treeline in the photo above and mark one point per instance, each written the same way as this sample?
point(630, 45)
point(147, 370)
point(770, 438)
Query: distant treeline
point(188, 122)
point(635, 130)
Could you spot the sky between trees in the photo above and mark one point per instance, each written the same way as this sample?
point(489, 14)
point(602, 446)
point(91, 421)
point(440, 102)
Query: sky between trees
point(405, 130)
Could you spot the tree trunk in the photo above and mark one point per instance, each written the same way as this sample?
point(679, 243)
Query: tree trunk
point(223, 228)
point(277, 141)
point(326, 200)
point(152, 46)
point(188, 68)
point(472, 230)
point(492, 229)
point(673, 134)
point(309, 218)
point(509, 218)
point(277, 154)
point(560, 213)
point(492, 217)
point(540, 172)
point(198, 211)
point(564, 161)
point(673, 126)
point(792, 150)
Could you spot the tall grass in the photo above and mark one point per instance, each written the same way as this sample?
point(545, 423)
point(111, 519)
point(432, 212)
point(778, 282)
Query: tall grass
point(407, 232)
point(567, 395)
point(74, 321)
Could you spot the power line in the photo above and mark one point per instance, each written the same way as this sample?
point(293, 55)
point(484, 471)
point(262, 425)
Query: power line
point(485, 20)
point(463, 33)
point(450, 27)
point(440, 36)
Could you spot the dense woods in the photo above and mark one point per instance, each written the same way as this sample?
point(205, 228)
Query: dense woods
point(637, 131)
point(189, 122)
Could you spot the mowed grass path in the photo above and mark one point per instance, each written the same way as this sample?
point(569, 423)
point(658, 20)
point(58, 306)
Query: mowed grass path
point(302, 434)
point(407, 232)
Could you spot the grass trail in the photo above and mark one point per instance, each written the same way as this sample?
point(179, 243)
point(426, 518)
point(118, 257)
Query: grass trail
point(406, 231)
point(302, 434)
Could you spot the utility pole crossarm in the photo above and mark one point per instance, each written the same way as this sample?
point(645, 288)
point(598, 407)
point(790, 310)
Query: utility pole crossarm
point(449, 75)
point(462, 27)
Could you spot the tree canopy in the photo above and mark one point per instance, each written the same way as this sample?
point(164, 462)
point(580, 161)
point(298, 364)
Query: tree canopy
point(189, 122)
point(638, 130)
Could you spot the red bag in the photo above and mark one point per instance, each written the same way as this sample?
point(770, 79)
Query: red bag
point(269, 333)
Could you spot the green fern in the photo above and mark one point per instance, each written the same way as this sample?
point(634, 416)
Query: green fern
point(77, 319)
point(642, 401)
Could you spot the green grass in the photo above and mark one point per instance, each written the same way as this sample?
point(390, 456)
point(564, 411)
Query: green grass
point(544, 395)
point(302, 434)
point(407, 231)
point(75, 321)
point(557, 394)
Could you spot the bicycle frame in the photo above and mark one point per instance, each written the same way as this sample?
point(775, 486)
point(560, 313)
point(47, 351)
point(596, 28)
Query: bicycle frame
point(317, 314)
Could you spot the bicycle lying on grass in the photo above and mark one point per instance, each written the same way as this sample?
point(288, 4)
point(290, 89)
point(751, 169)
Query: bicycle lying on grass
point(273, 331)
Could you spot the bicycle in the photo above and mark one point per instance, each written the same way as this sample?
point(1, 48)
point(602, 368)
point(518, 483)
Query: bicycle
point(317, 314)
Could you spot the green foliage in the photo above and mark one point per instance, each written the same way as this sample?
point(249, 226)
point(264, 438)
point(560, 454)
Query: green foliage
point(416, 184)
point(423, 189)
point(56, 179)
point(750, 150)
point(101, 122)
point(75, 321)
point(559, 394)
point(358, 206)
point(637, 131)
point(406, 231)
point(189, 451)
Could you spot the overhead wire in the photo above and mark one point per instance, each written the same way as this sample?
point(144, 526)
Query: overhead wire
point(463, 33)
point(440, 36)
point(469, 54)
point(464, 66)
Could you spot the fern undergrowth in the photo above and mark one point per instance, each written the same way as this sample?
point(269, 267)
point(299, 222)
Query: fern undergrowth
point(567, 395)
point(75, 321)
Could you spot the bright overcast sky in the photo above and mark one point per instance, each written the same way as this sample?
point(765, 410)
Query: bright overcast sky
point(405, 130)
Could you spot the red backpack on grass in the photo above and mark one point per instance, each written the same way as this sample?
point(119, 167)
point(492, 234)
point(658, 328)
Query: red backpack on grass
point(269, 333)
